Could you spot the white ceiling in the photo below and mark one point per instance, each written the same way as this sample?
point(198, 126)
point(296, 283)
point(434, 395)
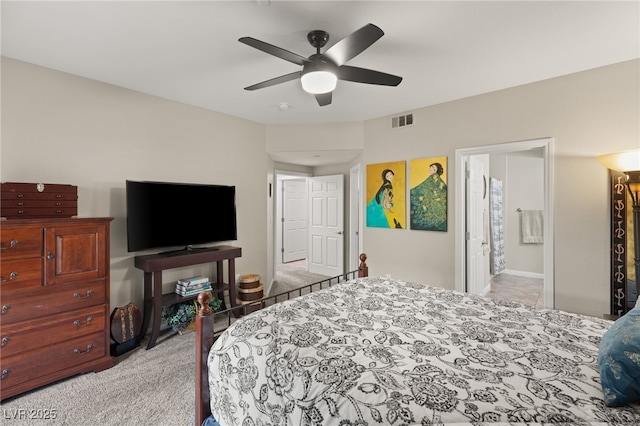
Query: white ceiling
point(188, 51)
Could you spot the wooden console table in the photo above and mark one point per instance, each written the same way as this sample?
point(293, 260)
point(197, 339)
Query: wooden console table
point(154, 264)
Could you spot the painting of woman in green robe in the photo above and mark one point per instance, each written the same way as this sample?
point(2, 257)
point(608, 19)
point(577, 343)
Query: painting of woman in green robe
point(428, 194)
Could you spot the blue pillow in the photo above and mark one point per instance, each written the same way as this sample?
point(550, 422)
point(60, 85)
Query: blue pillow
point(619, 361)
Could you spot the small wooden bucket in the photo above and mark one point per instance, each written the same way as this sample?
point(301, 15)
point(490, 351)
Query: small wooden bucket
point(250, 288)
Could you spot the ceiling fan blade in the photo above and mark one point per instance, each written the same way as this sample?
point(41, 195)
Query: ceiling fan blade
point(274, 50)
point(324, 98)
point(363, 75)
point(353, 44)
point(274, 81)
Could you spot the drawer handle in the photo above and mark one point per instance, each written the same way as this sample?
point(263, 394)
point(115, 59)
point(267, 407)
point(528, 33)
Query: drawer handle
point(5, 309)
point(4, 341)
point(11, 245)
point(58, 195)
point(12, 276)
point(79, 296)
point(81, 352)
point(5, 373)
point(77, 323)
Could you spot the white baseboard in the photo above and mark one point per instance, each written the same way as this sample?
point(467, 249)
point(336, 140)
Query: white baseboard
point(486, 290)
point(267, 288)
point(524, 274)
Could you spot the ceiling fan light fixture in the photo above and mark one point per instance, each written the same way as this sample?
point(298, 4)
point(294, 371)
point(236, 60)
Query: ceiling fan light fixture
point(318, 82)
point(322, 70)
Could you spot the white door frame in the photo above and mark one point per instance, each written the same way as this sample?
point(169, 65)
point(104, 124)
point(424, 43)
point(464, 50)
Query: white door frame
point(356, 216)
point(547, 144)
point(294, 219)
point(277, 206)
point(474, 229)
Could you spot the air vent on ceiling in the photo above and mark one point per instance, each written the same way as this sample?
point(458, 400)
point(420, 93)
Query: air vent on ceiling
point(402, 121)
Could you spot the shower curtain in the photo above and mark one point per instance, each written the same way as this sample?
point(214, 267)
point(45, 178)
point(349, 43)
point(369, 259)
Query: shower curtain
point(497, 227)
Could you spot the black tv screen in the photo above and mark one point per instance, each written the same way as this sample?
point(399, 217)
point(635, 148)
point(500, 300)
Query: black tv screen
point(166, 214)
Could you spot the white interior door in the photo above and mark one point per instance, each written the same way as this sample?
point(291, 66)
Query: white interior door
point(475, 226)
point(326, 225)
point(355, 214)
point(294, 220)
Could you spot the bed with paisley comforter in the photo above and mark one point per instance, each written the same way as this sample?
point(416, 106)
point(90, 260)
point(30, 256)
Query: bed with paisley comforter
point(374, 351)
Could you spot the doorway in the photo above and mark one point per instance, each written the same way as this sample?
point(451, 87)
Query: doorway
point(315, 246)
point(299, 202)
point(294, 219)
point(464, 207)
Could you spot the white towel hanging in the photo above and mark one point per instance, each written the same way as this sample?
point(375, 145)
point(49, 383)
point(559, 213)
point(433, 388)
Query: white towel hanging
point(531, 226)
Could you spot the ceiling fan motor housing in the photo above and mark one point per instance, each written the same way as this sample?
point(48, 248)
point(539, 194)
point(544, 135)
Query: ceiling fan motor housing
point(318, 39)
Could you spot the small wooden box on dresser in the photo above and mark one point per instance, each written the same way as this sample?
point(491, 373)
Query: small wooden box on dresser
point(54, 295)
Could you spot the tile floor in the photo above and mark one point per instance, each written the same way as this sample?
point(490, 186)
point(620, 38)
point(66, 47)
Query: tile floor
point(518, 289)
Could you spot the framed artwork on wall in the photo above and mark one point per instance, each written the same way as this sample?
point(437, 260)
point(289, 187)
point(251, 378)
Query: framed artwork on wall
point(428, 194)
point(386, 188)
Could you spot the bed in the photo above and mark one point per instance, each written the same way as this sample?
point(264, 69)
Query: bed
point(371, 351)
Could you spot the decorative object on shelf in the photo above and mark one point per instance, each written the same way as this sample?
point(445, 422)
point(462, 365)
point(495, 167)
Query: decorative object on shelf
point(250, 289)
point(181, 315)
point(193, 285)
point(627, 164)
point(193, 280)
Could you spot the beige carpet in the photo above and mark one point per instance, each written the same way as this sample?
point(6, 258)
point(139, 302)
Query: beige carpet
point(154, 387)
point(293, 275)
point(143, 388)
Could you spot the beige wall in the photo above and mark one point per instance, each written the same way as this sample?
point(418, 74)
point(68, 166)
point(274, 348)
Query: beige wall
point(309, 137)
point(58, 128)
point(523, 189)
point(63, 129)
point(588, 114)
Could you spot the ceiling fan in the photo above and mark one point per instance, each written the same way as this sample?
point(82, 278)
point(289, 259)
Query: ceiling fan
point(321, 71)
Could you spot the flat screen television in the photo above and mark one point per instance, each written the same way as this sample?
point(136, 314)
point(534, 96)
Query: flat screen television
point(166, 214)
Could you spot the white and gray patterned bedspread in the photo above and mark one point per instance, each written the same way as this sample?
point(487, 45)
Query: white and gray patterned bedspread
point(377, 352)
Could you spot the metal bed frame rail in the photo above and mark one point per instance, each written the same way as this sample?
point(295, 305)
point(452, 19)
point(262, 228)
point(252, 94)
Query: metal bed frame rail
point(223, 319)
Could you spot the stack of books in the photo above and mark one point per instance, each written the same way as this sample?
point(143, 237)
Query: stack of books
point(192, 285)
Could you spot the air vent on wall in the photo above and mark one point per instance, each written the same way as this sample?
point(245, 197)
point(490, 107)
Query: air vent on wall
point(402, 121)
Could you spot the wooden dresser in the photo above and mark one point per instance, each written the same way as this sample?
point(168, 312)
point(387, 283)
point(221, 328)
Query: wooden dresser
point(54, 298)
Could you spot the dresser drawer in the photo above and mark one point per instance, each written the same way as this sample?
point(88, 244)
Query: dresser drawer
point(22, 203)
point(18, 212)
point(28, 335)
point(10, 196)
point(21, 242)
point(30, 365)
point(22, 305)
point(23, 273)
